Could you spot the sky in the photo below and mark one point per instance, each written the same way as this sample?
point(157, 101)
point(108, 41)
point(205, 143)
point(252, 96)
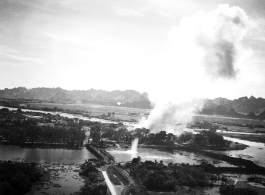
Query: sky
point(117, 45)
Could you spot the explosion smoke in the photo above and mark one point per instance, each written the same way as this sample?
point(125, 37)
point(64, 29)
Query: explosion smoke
point(206, 50)
point(228, 26)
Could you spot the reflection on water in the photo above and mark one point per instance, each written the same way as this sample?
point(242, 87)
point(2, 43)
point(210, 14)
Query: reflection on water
point(124, 155)
point(8, 152)
point(255, 150)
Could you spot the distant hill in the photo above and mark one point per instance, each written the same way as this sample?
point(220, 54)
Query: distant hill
point(242, 107)
point(222, 110)
point(128, 98)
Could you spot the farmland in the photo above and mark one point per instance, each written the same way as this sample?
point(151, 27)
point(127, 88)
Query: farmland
point(122, 113)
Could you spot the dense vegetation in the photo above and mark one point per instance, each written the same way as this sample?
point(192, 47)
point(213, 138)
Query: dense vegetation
point(156, 176)
point(16, 178)
point(120, 133)
point(209, 138)
point(231, 190)
point(20, 128)
point(22, 132)
point(161, 138)
point(95, 189)
point(95, 184)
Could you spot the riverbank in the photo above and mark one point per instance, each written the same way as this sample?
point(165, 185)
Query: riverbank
point(250, 137)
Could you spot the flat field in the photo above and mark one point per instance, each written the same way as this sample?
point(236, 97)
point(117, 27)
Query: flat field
point(122, 113)
point(137, 113)
point(228, 120)
point(128, 114)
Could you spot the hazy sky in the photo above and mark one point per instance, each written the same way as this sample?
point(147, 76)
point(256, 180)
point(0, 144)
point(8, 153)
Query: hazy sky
point(111, 44)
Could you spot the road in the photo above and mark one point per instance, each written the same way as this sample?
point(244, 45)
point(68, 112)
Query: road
point(128, 185)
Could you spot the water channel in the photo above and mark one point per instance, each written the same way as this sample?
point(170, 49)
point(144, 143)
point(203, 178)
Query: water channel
point(69, 160)
point(256, 150)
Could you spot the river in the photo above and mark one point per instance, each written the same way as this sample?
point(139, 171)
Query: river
point(70, 180)
point(152, 154)
point(256, 150)
point(8, 152)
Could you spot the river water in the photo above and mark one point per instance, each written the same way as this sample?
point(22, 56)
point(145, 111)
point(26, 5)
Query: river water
point(63, 165)
point(67, 160)
point(8, 152)
point(176, 156)
point(256, 150)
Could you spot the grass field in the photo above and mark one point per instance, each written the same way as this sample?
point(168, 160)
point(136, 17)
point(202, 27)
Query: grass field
point(125, 113)
point(122, 113)
point(228, 120)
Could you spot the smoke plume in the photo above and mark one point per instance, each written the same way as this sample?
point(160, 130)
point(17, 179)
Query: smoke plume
point(220, 37)
point(205, 50)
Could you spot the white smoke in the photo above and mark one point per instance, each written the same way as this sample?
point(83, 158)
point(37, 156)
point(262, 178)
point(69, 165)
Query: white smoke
point(206, 50)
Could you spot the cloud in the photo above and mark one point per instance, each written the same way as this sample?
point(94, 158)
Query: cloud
point(13, 58)
point(128, 12)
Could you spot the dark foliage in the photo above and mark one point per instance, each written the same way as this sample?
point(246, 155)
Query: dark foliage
point(96, 189)
point(158, 177)
point(17, 129)
point(209, 138)
point(94, 184)
point(16, 178)
point(231, 190)
point(89, 169)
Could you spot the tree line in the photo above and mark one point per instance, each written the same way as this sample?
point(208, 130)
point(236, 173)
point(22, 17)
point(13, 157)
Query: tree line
point(15, 128)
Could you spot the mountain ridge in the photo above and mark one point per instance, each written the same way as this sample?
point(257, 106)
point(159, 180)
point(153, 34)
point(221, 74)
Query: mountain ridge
point(250, 107)
point(128, 98)
point(242, 105)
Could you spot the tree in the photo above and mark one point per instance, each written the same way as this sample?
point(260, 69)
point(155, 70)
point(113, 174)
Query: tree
point(95, 133)
point(4, 110)
point(141, 134)
point(201, 140)
point(136, 160)
point(185, 137)
point(209, 138)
